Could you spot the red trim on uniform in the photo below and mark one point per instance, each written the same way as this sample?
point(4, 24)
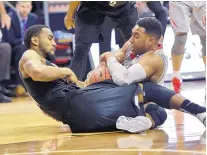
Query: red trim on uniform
point(173, 23)
point(132, 56)
point(159, 46)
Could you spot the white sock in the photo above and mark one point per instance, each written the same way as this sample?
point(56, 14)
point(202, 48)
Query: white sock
point(177, 74)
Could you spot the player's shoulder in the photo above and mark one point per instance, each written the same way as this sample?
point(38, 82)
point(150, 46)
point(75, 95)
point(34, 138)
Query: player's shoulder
point(161, 54)
point(151, 54)
point(152, 57)
point(30, 54)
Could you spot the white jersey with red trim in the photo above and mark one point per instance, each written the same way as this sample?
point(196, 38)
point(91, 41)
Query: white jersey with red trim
point(131, 60)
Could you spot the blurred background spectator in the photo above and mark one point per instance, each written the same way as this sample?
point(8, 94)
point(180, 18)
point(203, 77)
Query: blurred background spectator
point(5, 58)
point(21, 19)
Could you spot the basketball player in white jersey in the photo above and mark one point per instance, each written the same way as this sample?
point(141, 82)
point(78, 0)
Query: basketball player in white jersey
point(140, 59)
point(185, 15)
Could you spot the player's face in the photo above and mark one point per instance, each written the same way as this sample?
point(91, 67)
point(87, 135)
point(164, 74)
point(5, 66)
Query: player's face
point(47, 42)
point(139, 40)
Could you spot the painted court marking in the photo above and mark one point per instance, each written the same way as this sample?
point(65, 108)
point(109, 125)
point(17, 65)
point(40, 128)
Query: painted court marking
point(117, 150)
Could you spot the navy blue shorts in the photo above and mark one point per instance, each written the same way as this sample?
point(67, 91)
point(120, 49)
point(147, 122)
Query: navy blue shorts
point(97, 107)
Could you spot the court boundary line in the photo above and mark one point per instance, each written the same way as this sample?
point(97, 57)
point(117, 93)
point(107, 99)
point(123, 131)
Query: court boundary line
point(115, 150)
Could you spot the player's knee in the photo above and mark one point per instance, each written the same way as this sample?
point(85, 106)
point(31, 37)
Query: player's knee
point(179, 43)
point(203, 43)
point(157, 113)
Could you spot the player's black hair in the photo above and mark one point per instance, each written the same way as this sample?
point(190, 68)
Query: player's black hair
point(151, 25)
point(30, 32)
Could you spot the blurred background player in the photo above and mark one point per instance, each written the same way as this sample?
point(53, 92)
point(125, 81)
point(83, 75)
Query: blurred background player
point(185, 15)
point(88, 20)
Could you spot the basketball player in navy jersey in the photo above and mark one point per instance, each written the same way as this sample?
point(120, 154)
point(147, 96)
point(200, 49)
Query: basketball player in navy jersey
point(90, 15)
point(96, 107)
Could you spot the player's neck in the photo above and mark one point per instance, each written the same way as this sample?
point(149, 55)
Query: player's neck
point(153, 47)
point(41, 54)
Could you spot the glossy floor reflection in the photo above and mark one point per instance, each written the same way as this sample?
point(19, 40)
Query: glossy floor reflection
point(25, 130)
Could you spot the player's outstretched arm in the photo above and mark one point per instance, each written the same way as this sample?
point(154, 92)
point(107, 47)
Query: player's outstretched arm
point(38, 71)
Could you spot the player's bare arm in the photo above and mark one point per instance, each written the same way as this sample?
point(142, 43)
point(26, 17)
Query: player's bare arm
point(152, 64)
point(35, 68)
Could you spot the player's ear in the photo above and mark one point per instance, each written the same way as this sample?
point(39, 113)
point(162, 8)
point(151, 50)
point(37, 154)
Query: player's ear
point(35, 41)
point(151, 41)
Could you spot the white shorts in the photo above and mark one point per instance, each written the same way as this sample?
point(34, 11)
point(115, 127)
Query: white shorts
point(188, 14)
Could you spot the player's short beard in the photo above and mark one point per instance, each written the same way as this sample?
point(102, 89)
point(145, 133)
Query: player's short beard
point(48, 56)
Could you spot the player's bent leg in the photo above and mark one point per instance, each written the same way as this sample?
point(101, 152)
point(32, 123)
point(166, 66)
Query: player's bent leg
point(168, 99)
point(156, 114)
point(97, 107)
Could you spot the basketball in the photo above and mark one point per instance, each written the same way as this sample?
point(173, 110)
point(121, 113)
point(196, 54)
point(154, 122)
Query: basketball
point(100, 73)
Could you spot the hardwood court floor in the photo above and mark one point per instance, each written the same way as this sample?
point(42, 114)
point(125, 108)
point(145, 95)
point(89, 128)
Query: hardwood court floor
point(25, 130)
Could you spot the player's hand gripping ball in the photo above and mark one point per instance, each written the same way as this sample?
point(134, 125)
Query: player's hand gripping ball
point(100, 73)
